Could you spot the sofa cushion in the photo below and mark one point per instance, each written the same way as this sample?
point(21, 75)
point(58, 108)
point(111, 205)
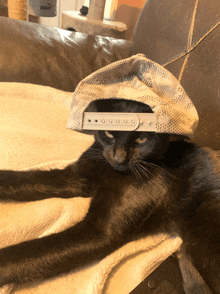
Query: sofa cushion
point(43, 55)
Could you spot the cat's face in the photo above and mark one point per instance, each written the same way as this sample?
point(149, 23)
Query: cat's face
point(129, 151)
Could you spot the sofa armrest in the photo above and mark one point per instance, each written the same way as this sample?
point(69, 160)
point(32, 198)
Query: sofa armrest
point(43, 55)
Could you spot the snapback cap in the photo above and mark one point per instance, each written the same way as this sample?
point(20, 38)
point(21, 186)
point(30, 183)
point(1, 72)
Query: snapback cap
point(139, 79)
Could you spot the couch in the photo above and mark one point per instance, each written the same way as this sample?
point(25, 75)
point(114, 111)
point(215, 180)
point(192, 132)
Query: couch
point(181, 35)
point(40, 67)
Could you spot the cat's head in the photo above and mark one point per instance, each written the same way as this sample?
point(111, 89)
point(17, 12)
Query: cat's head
point(126, 151)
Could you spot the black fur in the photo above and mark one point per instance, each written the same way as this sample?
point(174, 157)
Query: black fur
point(140, 184)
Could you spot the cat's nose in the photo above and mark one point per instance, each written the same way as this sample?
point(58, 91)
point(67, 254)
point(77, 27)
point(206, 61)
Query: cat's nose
point(120, 155)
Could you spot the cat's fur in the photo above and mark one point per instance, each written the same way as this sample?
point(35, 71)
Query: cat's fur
point(141, 184)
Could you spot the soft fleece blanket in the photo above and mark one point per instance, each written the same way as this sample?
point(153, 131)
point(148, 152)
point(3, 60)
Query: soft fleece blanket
point(33, 134)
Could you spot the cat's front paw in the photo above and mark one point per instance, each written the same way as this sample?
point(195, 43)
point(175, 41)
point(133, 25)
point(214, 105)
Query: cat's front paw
point(10, 266)
point(6, 184)
point(7, 178)
point(22, 263)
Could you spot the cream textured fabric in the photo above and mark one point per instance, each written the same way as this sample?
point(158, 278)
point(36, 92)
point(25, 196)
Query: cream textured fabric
point(33, 135)
point(140, 79)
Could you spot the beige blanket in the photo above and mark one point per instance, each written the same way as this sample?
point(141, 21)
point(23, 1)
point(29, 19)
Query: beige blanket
point(33, 134)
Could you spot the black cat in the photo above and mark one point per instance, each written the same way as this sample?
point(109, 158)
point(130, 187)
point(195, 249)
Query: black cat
point(141, 184)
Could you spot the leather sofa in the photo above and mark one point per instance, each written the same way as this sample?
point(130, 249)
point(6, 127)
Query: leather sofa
point(181, 35)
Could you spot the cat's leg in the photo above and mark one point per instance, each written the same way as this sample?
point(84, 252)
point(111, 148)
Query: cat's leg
point(200, 267)
point(110, 222)
point(53, 255)
point(193, 283)
point(37, 184)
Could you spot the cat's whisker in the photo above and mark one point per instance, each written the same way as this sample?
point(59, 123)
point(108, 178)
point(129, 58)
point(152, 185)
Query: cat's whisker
point(144, 170)
point(93, 152)
point(93, 157)
point(132, 170)
point(150, 164)
point(147, 166)
point(95, 149)
point(137, 172)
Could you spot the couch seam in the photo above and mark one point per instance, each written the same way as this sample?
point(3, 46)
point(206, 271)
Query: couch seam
point(191, 30)
point(192, 47)
point(183, 67)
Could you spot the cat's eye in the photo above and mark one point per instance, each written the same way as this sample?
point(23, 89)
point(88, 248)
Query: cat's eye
point(141, 140)
point(109, 135)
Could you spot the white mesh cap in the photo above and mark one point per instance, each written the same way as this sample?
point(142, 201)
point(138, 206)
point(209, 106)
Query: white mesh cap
point(140, 79)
